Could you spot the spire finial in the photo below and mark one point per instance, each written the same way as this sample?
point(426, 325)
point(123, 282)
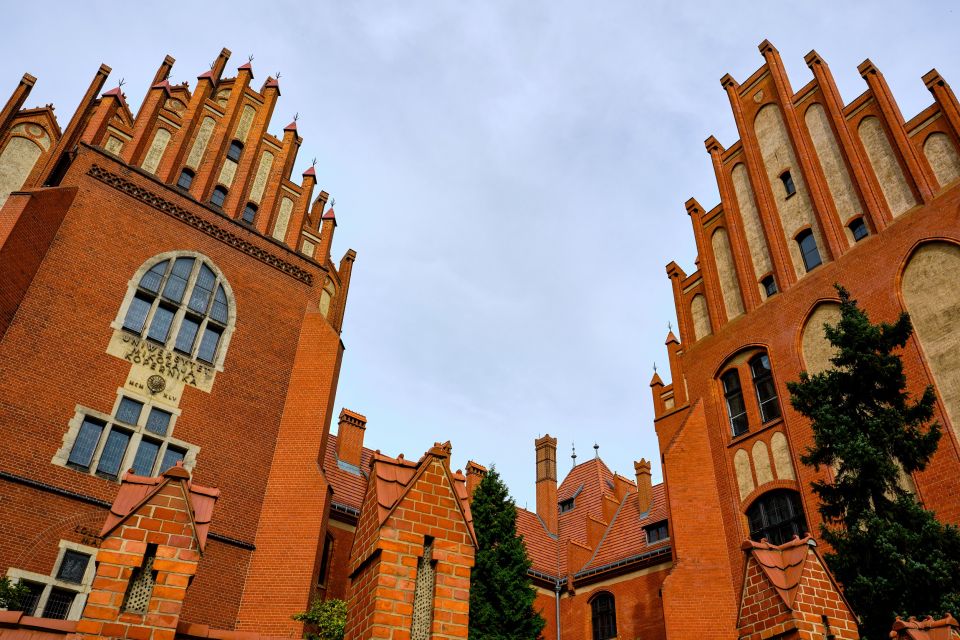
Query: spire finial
point(654, 367)
point(573, 456)
point(333, 201)
point(669, 326)
point(313, 162)
point(123, 81)
point(596, 450)
point(296, 116)
point(277, 77)
point(250, 58)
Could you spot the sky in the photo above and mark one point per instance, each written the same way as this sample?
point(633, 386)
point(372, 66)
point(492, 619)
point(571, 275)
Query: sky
point(511, 174)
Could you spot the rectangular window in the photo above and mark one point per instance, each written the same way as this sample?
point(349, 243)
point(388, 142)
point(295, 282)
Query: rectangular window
point(160, 327)
point(137, 313)
point(187, 335)
point(113, 452)
point(171, 457)
point(657, 532)
point(58, 604)
point(129, 410)
point(86, 443)
point(208, 344)
point(146, 456)
point(158, 422)
point(73, 566)
point(32, 599)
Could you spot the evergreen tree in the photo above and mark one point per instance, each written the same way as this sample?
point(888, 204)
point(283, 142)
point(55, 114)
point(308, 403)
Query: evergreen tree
point(501, 598)
point(891, 555)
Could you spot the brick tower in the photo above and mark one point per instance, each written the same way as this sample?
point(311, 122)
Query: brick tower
point(167, 295)
point(815, 192)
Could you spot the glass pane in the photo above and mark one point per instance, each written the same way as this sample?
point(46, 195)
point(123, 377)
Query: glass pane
point(219, 310)
point(86, 443)
point(731, 381)
point(146, 456)
point(208, 344)
point(202, 289)
point(73, 566)
point(151, 279)
point(58, 604)
point(171, 457)
point(113, 451)
point(137, 314)
point(186, 178)
point(187, 335)
point(218, 196)
point(158, 422)
point(160, 327)
point(33, 598)
point(249, 213)
point(129, 411)
point(760, 366)
point(177, 282)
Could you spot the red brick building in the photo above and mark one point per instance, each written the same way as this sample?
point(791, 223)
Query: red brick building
point(815, 192)
point(167, 294)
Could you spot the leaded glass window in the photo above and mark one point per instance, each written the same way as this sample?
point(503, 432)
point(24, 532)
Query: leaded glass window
point(182, 304)
point(73, 566)
point(777, 516)
point(146, 457)
point(113, 452)
point(603, 610)
point(86, 443)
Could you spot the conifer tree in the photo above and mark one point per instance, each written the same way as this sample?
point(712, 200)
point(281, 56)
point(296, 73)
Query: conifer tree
point(501, 597)
point(890, 554)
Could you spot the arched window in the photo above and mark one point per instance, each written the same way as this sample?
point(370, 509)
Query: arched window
point(604, 614)
point(181, 304)
point(185, 179)
point(218, 196)
point(808, 247)
point(859, 229)
point(736, 409)
point(777, 516)
point(236, 148)
point(766, 390)
point(788, 187)
point(326, 297)
point(769, 285)
point(249, 213)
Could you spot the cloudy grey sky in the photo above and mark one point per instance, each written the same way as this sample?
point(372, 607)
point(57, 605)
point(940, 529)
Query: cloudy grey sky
point(512, 175)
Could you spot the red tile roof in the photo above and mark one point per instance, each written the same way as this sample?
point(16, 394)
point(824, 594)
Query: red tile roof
point(348, 486)
point(135, 491)
point(624, 538)
point(928, 629)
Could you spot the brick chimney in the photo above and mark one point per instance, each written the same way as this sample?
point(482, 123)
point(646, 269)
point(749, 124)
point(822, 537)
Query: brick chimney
point(350, 436)
point(475, 473)
point(644, 484)
point(547, 481)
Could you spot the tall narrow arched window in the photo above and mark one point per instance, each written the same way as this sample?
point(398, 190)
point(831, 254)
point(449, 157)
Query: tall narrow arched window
point(218, 196)
point(733, 395)
point(777, 516)
point(182, 304)
point(766, 390)
point(809, 250)
point(185, 179)
point(249, 213)
point(236, 148)
point(603, 612)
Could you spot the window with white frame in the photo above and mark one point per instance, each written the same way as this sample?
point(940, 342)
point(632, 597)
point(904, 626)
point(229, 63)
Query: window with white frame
point(181, 303)
point(138, 436)
point(62, 594)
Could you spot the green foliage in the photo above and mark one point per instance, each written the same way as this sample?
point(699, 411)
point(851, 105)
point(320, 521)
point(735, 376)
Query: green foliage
point(501, 598)
point(325, 619)
point(892, 555)
point(13, 595)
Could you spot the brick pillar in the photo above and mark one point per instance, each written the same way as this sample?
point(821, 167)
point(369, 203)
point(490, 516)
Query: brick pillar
point(547, 481)
point(153, 540)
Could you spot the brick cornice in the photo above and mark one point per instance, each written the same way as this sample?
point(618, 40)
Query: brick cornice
point(180, 213)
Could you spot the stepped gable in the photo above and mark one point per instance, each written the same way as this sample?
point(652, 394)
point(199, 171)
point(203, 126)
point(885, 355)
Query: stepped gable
point(135, 491)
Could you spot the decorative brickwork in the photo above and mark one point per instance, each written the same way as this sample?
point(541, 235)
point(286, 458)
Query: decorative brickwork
point(414, 538)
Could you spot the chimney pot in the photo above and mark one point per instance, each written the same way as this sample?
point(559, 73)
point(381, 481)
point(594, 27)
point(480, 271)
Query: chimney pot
point(644, 484)
point(547, 507)
point(350, 432)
